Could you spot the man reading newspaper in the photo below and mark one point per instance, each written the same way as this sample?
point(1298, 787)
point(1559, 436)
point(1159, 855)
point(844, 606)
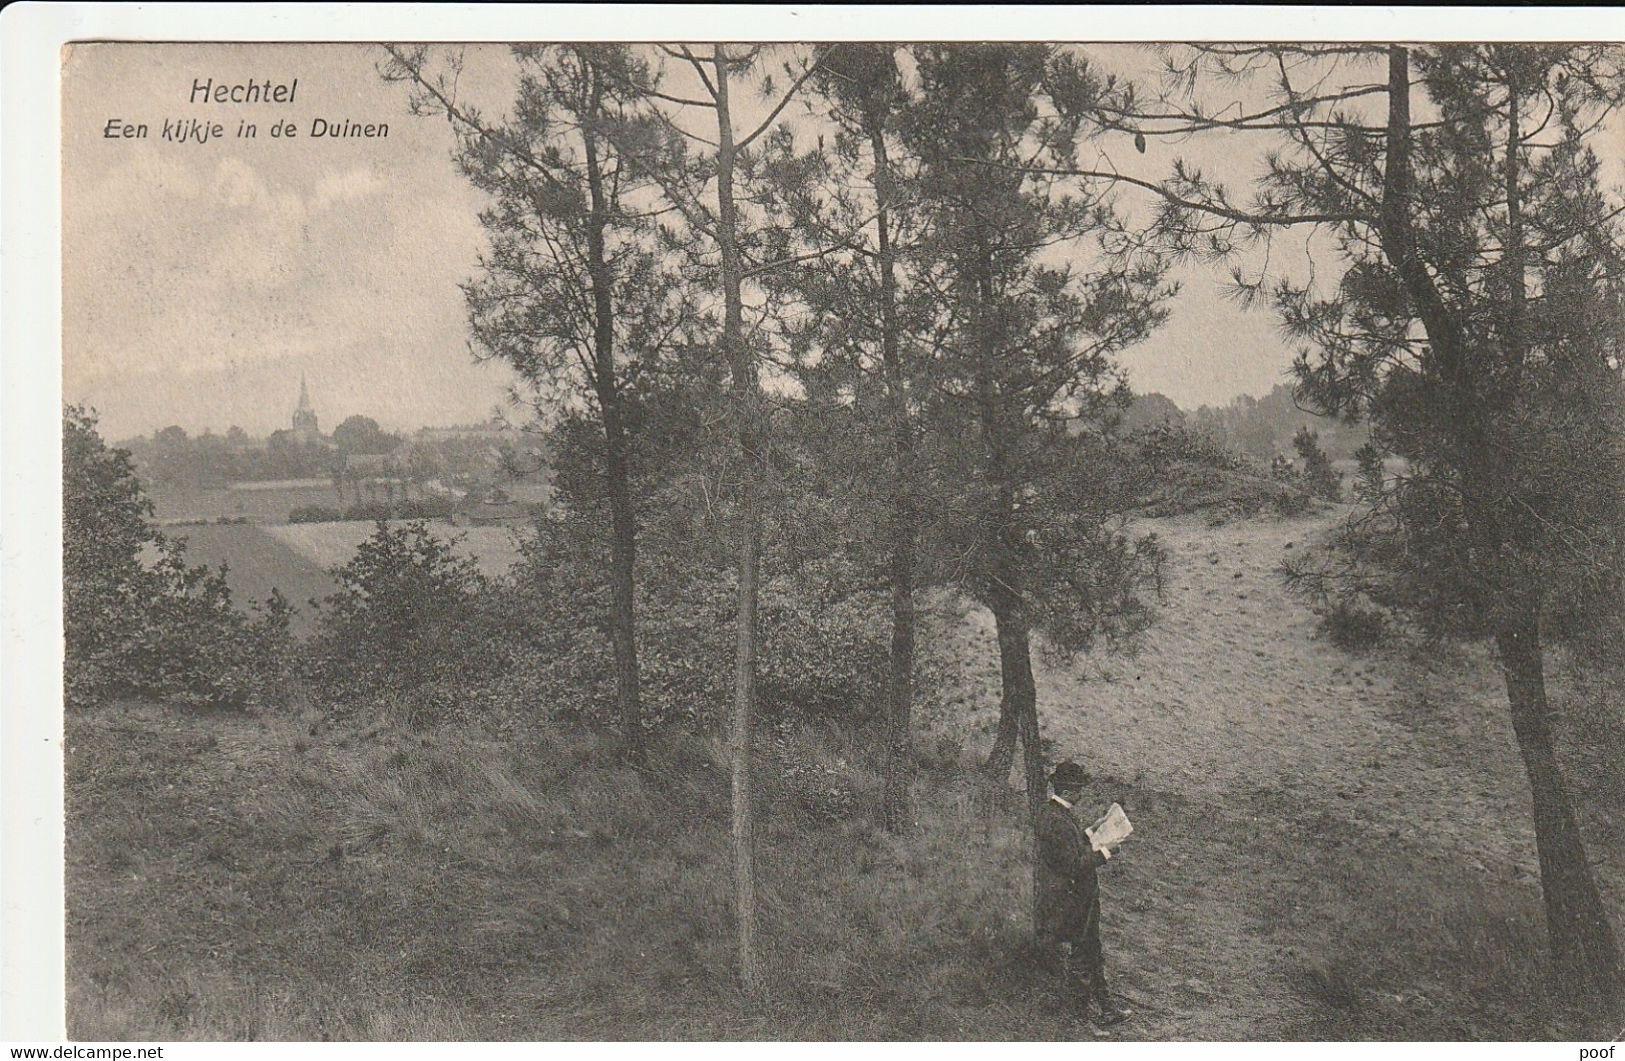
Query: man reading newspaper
point(1069, 891)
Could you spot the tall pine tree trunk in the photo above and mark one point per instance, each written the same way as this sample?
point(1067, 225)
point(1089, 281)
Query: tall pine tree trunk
point(1581, 937)
point(623, 525)
point(746, 398)
point(1005, 577)
point(1021, 702)
point(1018, 702)
point(904, 533)
point(900, 680)
point(623, 563)
point(1003, 756)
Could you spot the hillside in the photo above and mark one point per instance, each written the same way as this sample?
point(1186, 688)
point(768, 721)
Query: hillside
point(1327, 845)
point(297, 558)
point(1353, 824)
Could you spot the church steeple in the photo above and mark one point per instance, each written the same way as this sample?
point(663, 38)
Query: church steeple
point(304, 417)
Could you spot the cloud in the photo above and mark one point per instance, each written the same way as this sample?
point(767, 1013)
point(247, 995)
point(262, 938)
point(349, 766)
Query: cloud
point(199, 281)
point(359, 182)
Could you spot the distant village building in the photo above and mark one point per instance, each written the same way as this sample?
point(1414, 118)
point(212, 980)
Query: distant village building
point(305, 428)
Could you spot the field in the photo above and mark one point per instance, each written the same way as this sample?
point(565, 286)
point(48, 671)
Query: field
point(330, 544)
point(256, 563)
point(296, 558)
point(1327, 845)
point(175, 503)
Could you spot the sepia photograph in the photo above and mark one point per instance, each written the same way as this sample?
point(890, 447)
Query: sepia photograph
point(843, 539)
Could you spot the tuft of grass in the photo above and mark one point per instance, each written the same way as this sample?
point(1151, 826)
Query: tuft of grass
point(1354, 625)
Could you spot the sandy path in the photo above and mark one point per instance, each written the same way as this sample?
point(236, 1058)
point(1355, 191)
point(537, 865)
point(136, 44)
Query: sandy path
point(1234, 693)
point(1235, 718)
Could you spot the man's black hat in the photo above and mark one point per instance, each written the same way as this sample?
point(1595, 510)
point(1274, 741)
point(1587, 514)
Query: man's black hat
point(1068, 774)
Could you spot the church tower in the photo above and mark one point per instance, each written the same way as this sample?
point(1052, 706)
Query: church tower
point(304, 417)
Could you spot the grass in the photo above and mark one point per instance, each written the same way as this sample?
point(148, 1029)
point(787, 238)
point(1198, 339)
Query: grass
point(234, 877)
point(1327, 846)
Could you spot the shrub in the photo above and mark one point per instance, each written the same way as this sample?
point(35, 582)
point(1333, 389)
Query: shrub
point(138, 619)
point(823, 633)
point(1240, 491)
point(1318, 475)
point(1188, 471)
point(315, 514)
point(401, 618)
point(1353, 623)
point(1164, 445)
point(418, 508)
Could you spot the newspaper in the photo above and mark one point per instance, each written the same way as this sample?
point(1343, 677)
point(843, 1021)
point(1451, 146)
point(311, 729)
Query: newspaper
point(1110, 829)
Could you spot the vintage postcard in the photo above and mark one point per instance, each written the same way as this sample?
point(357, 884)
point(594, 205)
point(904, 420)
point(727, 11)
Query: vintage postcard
point(578, 539)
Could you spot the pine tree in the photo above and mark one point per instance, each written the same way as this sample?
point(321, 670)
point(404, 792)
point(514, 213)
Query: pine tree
point(720, 239)
point(572, 291)
point(1476, 324)
point(848, 222)
point(1029, 370)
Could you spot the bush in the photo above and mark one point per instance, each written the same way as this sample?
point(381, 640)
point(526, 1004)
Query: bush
point(1353, 624)
point(823, 633)
point(402, 617)
point(1318, 475)
point(138, 619)
point(1187, 471)
point(1240, 491)
point(315, 514)
point(418, 629)
point(1165, 445)
point(419, 508)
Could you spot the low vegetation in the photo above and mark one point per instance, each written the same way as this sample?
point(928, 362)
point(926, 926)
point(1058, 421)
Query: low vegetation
point(1354, 624)
point(408, 833)
point(1187, 471)
point(290, 875)
point(139, 619)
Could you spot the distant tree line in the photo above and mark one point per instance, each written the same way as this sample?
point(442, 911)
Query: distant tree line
point(172, 456)
point(1262, 428)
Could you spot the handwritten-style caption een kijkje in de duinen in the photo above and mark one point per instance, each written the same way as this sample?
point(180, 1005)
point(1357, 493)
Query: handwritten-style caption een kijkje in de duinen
point(202, 130)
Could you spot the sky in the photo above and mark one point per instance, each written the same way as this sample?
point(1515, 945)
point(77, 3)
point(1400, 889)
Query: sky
point(201, 280)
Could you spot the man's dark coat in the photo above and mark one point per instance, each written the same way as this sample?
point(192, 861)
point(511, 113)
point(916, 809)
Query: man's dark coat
point(1068, 890)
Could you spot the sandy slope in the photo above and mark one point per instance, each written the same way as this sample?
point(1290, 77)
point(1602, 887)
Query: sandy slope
point(330, 545)
point(1278, 784)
